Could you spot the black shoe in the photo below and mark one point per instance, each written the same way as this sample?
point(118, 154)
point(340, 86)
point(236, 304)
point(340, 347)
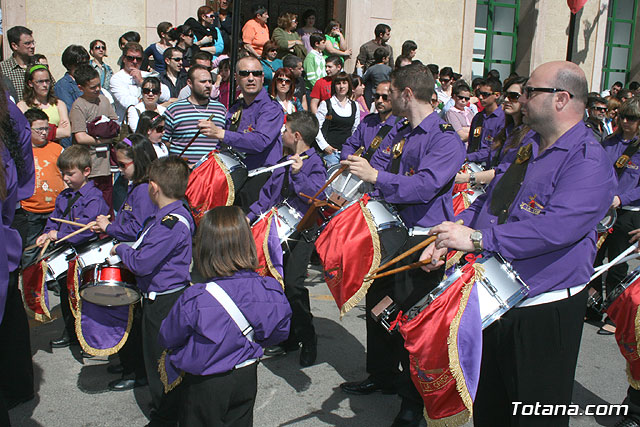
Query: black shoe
point(367, 386)
point(409, 418)
point(86, 355)
point(127, 384)
point(63, 341)
point(629, 421)
point(115, 369)
point(309, 353)
point(280, 349)
point(13, 402)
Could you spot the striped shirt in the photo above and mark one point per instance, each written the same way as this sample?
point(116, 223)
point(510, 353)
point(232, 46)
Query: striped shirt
point(181, 124)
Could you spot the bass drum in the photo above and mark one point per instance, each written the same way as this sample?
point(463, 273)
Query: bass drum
point(109, 285)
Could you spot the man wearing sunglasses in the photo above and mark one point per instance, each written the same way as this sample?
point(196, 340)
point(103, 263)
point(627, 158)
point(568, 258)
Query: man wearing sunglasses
point(540, 215)
point(596, 113)
point(252, 127)
point(486, 124)
point(174, 77)
point(126, 84)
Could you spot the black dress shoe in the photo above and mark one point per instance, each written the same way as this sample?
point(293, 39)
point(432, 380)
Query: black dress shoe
point(280, 349)
point(408, 418)
point(86, 355)
point(63, 341)
point(367, 386)
point(115, 369)
point(309, 353)
point(127, 384)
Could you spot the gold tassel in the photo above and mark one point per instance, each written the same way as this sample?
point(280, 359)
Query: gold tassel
point(76, 288)
point(162, 369)
point(98, 351)
point(265, 249)
point(458, 419)
point(377, 257)
point(232, 191)
point(632, 382)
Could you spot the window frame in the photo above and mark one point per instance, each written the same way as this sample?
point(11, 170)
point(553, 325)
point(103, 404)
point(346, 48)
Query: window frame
point(489, 32)
point(609, 45)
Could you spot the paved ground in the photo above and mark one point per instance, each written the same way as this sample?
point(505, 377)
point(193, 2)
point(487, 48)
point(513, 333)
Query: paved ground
point(73, 392)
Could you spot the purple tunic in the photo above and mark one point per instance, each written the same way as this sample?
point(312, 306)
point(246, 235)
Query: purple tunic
point(430, 160)
point(136, 209)
point(364, 134)
point(12, 240)
point(205, 340)
point(163, 259)
point(27, 180)
point(258, 132)
point(85, 209)
point(550, 234)
point(311, 177)
point(627, 186)
point(491, 126)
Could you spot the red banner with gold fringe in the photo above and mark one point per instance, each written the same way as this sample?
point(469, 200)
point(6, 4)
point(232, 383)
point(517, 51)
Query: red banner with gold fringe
point(34, 288)
point(210, 185)
point(268, 247)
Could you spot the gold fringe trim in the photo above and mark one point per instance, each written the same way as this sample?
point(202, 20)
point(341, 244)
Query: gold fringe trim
point(46, 316)
point(637, 329)
point(98, 351)
point(232, 191)
point(458, 419)
point(452, 344)
point(465, 199)
point(632, 382)
point(377, 257)
point(265, 249)
point(76, 287)
point(162, 369)
point(454, 260)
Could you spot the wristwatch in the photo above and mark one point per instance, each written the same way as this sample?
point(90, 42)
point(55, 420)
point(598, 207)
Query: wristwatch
point(472, 178)
point(476, 239)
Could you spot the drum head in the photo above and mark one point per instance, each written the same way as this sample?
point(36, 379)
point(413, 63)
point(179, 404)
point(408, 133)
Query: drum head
point(391, 241)
point(109, 294)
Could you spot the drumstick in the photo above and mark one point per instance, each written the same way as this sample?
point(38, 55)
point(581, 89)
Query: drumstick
point(405, 254)
point(28, 248)
point(44, 248)
point(80, 230)
point(336, 174)
point(326, 202)
point(66, 221)
point(195, 136)
point(259, 171)
point(399, 269)
point(615, 261)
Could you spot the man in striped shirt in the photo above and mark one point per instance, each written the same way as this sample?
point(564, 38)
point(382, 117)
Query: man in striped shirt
point(181, 118)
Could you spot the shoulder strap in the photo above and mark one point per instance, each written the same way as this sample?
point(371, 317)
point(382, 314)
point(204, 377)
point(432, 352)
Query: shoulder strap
point(235, 118)
point(629, 152)
point(507, 188)
point(375, 143)
point(182, 220)
point(474, 143)
point(232, 309)
point(70, 205)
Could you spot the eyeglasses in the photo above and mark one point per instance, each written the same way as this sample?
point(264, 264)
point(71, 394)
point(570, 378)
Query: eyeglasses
point(159, 129)
point(211, 15)
point(177, 59)
point(629, 118)
point(463, 98)
point(283, 80)
point(148, 90)
point(41, 82)
point(600, 109)
point(513, 96)
point(445, 80)
point(529, 90)
point(42, 130)
point(245, 73)
point(100, 47)
point(484, 94)
point(133, 58)
point(384, 96)
point(124, 165)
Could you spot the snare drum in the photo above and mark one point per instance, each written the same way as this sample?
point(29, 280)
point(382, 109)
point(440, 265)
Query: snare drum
point(287, 219)
point(632, 279)
point(472, 167)
point(346, 187)
point(95, 253)
point(109, 285)
point(58, 261)
point(236, 167)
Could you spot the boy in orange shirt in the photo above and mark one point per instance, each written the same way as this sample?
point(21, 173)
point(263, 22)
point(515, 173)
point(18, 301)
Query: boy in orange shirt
point(35, 210)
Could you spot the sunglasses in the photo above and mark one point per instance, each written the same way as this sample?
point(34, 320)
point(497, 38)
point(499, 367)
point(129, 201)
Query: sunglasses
point(147, 91)
point(133, 58)
point(445, 80)
point(245, 73)
point(463, 98)
point(629, 118)
point(600, 109)
point(211, 15)
point(484, 94)
point(159, 129)
point(529, 90)
point(384, 96)
point(283, 80)
point(513, 96)
point(100, 47)
point(177, 59)
point(124, 165)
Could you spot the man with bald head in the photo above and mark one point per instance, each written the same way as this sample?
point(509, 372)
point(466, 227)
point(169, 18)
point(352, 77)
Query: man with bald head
point(541, 216)
point(252, 127)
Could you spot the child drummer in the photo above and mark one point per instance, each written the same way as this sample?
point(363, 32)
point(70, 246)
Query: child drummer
point(286, 184)
point(134, 155)
point(82, 202)
point(160, 260)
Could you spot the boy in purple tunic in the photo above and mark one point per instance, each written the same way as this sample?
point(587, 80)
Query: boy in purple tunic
point(216, 330)
point(485, 125)
point(286, 184)
point(82, 202)
point(160, 260)
point(134, 155)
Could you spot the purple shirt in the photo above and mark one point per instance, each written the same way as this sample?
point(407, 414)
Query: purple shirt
point(627, 186)
point(85, 209)
point(309, 180)
point(136, 209)
point(258, 132)
point(364, 134)
point(12, 242)
point(26, 180)
point(430, 160)
point(490, 127)
point(162, 260)
point(203, 338)
point(550, 233)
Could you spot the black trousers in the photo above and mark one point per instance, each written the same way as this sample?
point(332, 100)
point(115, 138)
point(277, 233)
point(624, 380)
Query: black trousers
point(225, 399)
point(250, 191)
point(67, 315)
point(16, 367)
point(296, 261)
point(529, 355)
point(130, 354)
point(617, 242)
point(633, 400)
point(153, 313)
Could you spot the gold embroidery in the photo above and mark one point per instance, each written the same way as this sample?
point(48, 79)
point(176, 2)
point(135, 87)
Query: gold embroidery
point(397, 149)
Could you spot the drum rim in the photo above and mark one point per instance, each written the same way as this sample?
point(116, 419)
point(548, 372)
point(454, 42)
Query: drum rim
point(629, 280)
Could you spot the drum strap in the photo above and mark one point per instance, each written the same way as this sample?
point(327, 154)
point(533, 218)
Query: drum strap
point(70, 204)
point(235, 118)
point(382, 133)
point(629, 152)
point(507, 188)
point(474, 143)
point(232, 309)
point(144, 233)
